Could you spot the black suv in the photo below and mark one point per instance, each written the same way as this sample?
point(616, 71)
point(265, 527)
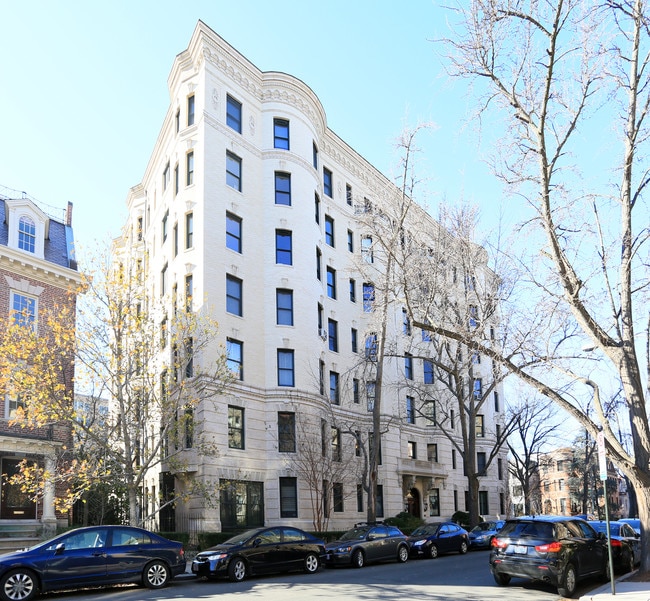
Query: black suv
point(559, 550)
point(367, 543)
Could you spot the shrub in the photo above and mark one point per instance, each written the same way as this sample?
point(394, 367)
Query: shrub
point(405, 522)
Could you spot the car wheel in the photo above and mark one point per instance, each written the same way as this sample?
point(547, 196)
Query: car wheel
point(606, 575)
point(402, 554)
point(630, 562)
point(19, 585)
point(502, 579)
point(311, 563)
point(358, 559)
point(433, 551)
point(463, 547)
point(155, 575)
point(567, 587)
point(237, 570)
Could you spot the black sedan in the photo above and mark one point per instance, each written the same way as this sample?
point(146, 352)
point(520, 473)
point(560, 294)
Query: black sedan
point(261, 551)
point(93, 556)
point(432, 539)
point(626, 544)
point(366, 543)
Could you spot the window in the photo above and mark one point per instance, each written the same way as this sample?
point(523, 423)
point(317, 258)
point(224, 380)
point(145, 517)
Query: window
point(24, 309)
point(178, 120)
point(406, 323)
point(408, 366)
point(380, 501)
point(366, 249)
point(189, 230)
point(281, 134)
point(360, 496)
point(176, 239)
point(327, 182)
point(353, 291)
point(333, 335)
point(317, 208)
point(427, 365)
point(453, 459)
point(473, 316)
point(241, 504)
point(496, 401)
point(500, 468)
point(329, 230)
point(480, 426)
point(371, 438)
point(348, 194)
point(368, 297)
point(560, 484)
point(481, 464)
point(190, 110)
point(235, 427)
point(233, 232)
point(410, 409)
point(190, 168)
point(288, 498)
point(483, 505)
point(354, 340)
point(331, 282)
point(189, 292)
point(233, 113)
point(285, 368)
point(16, 405)
point(356, 395)
point(282, 188)
point(235, 357)
point(426, 336)
point(177, 179)
point(189, 357)
point(476, 358)
point(319, 257)
point(335, 397)
point(412, 449)
point(284, 307)
point(432, 453)
point(234, 303)
point(164, 331)
point(166, 176)
point(286, 432)
point(283, 252)
point(370, 395)
point(350, 241)
point(233, 171)
point(371, 346)
point(452, 419)
point(337, 497)
point(478, 388)
point(336, 444)
point(139, 229)
point(434, 501)
point(314, 155)
point(163, 280)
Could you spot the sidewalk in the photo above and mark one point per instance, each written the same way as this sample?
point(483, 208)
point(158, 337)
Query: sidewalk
point(624, 589)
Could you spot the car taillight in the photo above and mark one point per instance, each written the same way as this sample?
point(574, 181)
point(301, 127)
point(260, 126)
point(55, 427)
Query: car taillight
point(499, 544)
point(616, 543)
point(182, 552)
point(553, 547)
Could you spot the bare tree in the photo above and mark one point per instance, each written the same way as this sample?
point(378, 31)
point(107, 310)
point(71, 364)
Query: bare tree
point(559, 71)
point(536, 428)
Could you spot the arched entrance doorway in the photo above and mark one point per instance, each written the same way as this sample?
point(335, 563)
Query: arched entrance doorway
point(413, 502)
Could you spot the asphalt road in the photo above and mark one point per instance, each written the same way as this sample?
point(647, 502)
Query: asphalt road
point(450, 577)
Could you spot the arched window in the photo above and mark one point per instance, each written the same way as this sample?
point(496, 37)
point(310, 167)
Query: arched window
point(27, 234)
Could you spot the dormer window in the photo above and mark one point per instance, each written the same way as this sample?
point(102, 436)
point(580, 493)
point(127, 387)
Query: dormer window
point(27, 234)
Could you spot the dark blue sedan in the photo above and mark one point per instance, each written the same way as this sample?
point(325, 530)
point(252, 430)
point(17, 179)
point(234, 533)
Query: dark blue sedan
point(93, 556)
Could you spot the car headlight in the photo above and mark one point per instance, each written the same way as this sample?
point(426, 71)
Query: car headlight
point(480, 538)
point(216, 556)
point(345, 549)
point(419, 543)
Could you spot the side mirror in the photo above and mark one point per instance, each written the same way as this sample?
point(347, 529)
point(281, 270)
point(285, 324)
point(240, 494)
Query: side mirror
point(371, 537)
point(60, 548)
point(257, 542)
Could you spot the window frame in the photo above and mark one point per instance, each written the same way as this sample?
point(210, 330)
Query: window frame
point(286, 373)
point(233, 114)
point(283, 247)
point(283, 308)
point(234, 429)
point(234, 239)
point(281, 139)
point(235, 359)
point(234, 177)
point(237, 299)
point(282, 181)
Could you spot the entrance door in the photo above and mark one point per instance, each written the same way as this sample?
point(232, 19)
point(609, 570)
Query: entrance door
point(14, 504)
point(414, 502)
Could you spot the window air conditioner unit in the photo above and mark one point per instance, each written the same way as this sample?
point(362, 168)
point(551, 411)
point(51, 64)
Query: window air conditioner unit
point(322, 332)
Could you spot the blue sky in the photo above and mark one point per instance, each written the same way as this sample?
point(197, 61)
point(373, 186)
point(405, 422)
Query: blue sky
point(84, 90)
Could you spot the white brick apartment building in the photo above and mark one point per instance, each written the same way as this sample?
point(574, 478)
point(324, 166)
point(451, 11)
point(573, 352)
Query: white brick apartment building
point(253, 203)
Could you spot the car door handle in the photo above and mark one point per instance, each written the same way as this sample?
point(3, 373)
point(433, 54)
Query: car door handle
point(99, 554)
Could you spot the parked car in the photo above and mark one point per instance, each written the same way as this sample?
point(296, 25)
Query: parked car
point(92, 556)
point(366, 543)
point(626, 544)
point(261, 551)
point(559, 550)
point(480, 537)
point(634, 522)
point(430, 540)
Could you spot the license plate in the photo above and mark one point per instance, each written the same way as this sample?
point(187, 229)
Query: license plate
point(520, 549)
point(328, 557)
point(195, 568)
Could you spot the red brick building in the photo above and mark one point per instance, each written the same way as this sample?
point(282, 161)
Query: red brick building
point(38, 269)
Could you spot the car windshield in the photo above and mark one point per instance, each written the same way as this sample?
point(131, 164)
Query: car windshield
point(424, 530)
point(355, 534)
point(483, 527)
point(241, 538)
